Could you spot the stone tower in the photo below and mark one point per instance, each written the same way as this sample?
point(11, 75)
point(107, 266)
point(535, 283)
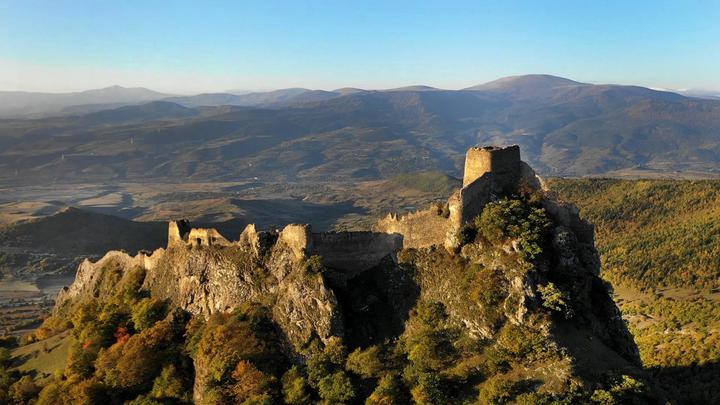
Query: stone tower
point(178, 232)
point(502, 162)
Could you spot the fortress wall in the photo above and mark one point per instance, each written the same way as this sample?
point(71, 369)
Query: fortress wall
point(354, 251)
point(178, 231)
point(419, 229)
point(298, 238)
point(206, 237)
point(468, 202)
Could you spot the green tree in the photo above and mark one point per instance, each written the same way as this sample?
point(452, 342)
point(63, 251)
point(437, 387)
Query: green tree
point(295, 389)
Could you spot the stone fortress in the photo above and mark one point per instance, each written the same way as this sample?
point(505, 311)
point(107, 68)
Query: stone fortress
point(489, 172)
point(202, 272)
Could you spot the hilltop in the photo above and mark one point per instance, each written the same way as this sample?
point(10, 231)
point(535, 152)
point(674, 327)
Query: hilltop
point(491, 297)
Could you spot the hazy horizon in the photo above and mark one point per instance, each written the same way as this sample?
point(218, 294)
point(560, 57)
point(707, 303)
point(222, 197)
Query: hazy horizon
point(710, 91)
point(188, 48)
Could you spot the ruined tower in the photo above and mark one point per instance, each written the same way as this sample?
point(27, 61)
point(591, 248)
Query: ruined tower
point(502, 162)
point(178, 232)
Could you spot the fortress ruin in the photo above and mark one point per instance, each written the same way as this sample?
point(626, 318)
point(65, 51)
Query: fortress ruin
point(490, 172)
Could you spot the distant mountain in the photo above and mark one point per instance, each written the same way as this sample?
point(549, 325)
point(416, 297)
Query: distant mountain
point(348, 90)
point(153, 111)
point(527, 86)
point(18, 103)
point(564, 128)
point(414, 88)
point(270, 98)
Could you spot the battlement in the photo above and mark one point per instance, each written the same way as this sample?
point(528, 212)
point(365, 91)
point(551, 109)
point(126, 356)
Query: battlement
point(502, 162)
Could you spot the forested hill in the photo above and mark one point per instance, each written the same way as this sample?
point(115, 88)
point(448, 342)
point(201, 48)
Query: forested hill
point(659, 246)
point(652, 233)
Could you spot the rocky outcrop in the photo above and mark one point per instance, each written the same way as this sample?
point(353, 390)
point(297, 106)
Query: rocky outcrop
point(371, 281)
point(204, 279)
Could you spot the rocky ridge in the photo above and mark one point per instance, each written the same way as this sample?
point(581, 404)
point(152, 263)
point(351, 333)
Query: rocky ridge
point(543, 285)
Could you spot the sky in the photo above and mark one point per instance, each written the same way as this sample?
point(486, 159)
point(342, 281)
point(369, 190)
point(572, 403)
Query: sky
point(188, 47)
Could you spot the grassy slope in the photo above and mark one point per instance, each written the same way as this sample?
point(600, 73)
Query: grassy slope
point(44, 357)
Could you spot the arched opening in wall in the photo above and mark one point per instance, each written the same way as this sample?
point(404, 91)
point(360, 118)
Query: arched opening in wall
point(198, 242)
point(211, 241)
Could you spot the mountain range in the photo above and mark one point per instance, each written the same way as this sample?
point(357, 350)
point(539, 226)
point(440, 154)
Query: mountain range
point(564, 128)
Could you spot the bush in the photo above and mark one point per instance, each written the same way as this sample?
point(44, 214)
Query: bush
point(512, 219)
point(555, 299)
point(314, 265)
point(336, 388)
point(146, 312)
point(389, 391)
point(366, 363)
point(497, 390)
point(168, 385)
point(23, 390)
point(134, 365)
point(428, 390)
point(520, 343)
point(250, 384)
point(428, 339)
point(295, 390)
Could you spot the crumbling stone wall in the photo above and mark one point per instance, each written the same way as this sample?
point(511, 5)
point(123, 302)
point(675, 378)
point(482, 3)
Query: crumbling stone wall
point(418, 229)
point(178, 232)
point(468, 202)
point(206, 237)
point(489, 172)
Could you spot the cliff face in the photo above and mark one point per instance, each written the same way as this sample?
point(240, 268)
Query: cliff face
point(206, 280)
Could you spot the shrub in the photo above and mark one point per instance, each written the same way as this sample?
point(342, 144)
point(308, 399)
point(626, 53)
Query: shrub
point(496, 390)
point(250, 384)
point(146, 312)
point(512, 219)
point(428, 340)
point(555, 299)
point(519, 342)
point(336, 388)
point(168, 385)
point(314, 265)
point(366, 363)
point(23, 390)
point(295, 390)
point(389, 391)
point(428, 390)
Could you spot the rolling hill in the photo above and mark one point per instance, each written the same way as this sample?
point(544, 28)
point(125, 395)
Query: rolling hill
point(564, 128)
point(20, 103)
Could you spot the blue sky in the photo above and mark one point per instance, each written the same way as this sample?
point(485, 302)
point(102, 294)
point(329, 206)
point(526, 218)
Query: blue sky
point(187, 47)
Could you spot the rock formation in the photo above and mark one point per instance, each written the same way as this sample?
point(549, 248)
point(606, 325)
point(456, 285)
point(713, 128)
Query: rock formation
point(369, 282)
